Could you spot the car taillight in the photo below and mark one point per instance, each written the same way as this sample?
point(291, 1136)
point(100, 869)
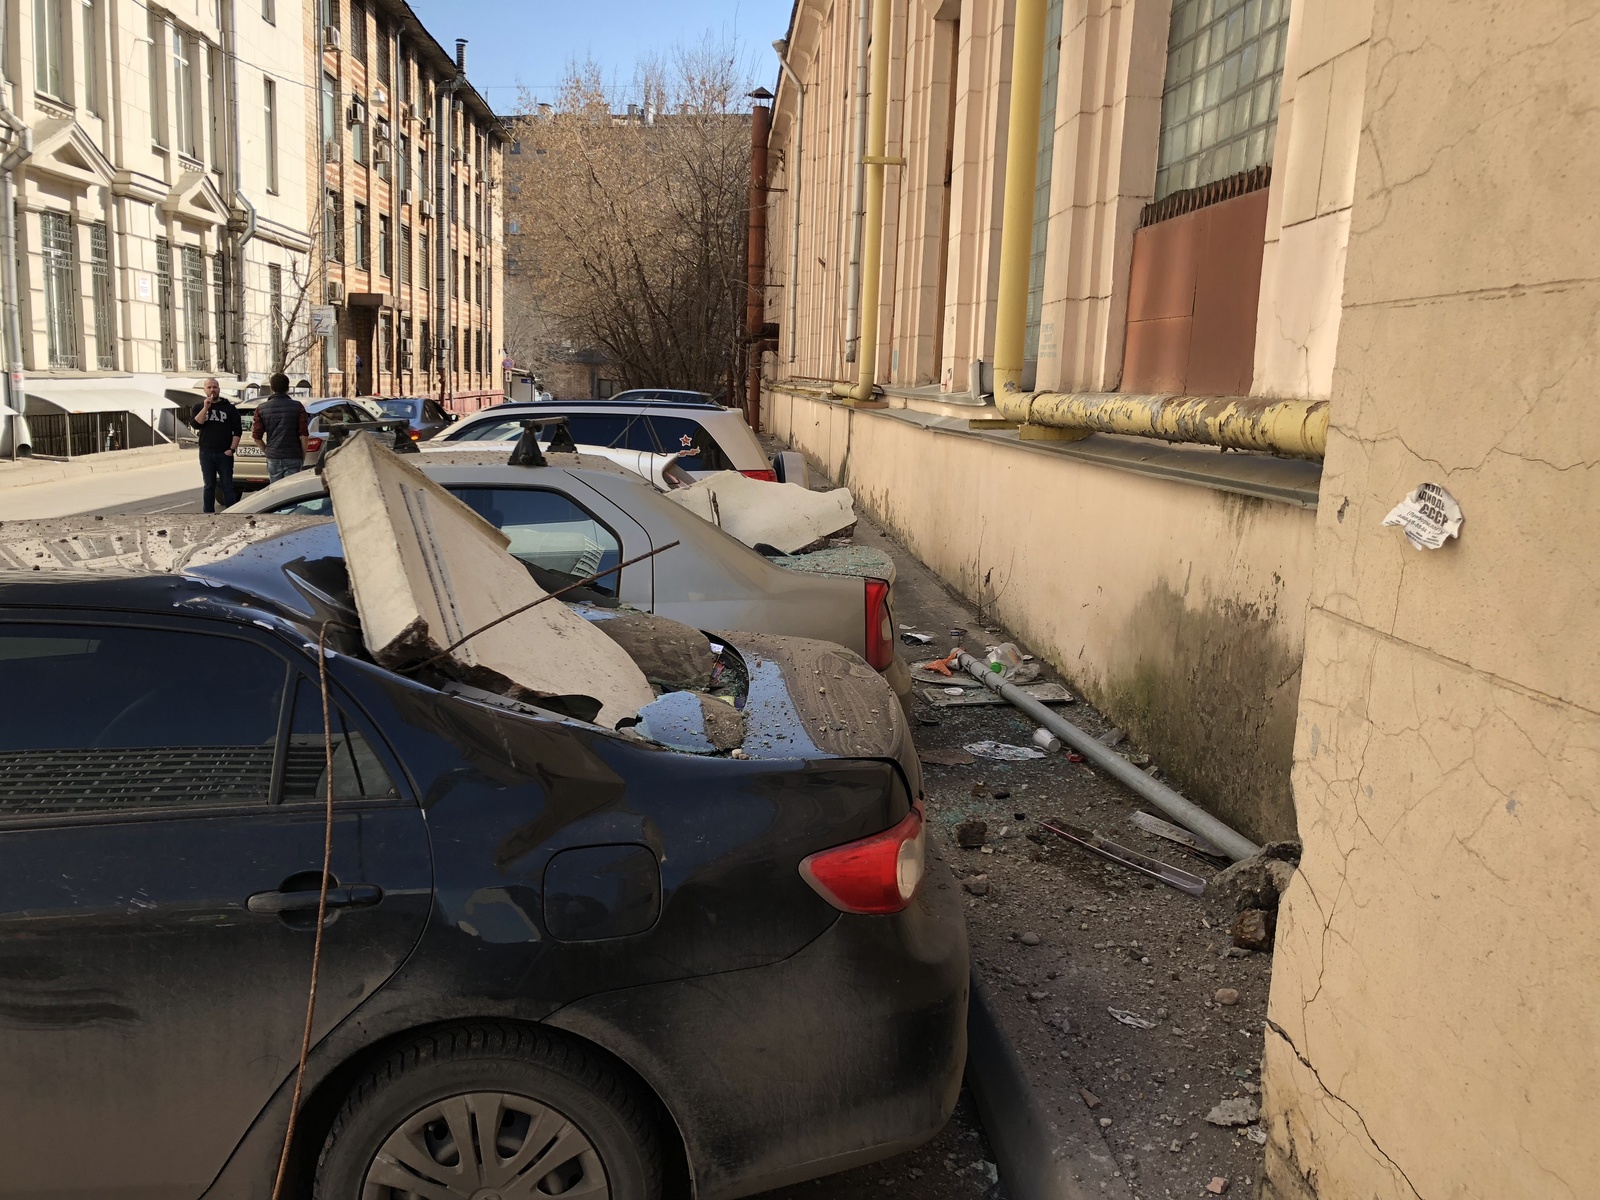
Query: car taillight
point(880, 626)
point(769, 475)
point(878, 874)
point(416, 435)
point(313, 444)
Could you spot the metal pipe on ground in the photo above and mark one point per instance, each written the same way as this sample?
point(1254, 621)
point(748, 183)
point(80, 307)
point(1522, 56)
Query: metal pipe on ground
point(1185, 812)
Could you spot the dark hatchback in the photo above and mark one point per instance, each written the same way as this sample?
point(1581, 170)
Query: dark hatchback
point(425, 415)
point(560, 960)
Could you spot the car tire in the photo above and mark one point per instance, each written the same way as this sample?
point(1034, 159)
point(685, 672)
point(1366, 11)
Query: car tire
point(401, 1120)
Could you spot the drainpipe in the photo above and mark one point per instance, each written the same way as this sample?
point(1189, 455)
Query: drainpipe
point(444, 227)
point(872, 232)
point(230, 82)
point(755, 309)
point(1296, 428)
point(852, 320)
point(792, 184)
point(1022, 170)
point(21, 139)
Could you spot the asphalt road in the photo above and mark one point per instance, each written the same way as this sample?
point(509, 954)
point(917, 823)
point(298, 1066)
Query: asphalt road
point(175, 502)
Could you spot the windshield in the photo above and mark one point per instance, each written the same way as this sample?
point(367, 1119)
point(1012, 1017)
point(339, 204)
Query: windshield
point(397, 408)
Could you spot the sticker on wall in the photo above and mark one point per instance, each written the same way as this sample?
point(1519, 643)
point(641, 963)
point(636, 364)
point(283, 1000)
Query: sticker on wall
point(142, 286)
point(1428, 515)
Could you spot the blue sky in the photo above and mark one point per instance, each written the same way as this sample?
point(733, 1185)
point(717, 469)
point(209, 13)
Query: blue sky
point(530, 42)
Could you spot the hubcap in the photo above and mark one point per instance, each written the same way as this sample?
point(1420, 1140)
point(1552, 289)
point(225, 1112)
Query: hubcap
point(486, 1146)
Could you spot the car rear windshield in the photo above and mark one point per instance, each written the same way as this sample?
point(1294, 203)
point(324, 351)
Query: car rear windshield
point(657, 433)
point(398, 408)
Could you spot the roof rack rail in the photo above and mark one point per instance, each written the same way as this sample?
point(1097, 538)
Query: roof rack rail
point(338, 434)
point(528, 453)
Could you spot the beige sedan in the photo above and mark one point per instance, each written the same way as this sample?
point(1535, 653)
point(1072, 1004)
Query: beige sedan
point(250, 462)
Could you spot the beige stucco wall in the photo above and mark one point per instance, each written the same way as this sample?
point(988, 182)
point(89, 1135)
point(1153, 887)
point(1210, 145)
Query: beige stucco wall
point(1177, 608)
point(1434, 1005)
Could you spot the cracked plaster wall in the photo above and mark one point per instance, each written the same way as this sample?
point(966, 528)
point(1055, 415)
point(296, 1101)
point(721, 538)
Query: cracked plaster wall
point(1435, 1026)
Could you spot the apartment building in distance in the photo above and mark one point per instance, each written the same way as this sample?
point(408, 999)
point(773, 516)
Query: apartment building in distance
point(159, 209)
point(408, 213)
point(1165, 306)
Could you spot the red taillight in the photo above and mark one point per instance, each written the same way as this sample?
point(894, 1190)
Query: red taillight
point(880, 626)
point(416, 436)
point(313, 444)
point(769, 475)
point(878, 874)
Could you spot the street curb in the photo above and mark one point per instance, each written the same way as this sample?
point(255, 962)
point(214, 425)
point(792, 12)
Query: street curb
point(1037, 1158)
point(27, 472)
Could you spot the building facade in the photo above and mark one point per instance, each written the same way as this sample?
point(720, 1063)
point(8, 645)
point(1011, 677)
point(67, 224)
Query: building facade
point(407, 212)
point(1325, 251)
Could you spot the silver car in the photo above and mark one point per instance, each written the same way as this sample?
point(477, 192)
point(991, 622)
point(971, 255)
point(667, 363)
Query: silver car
point(706, 436)
point(582, 514)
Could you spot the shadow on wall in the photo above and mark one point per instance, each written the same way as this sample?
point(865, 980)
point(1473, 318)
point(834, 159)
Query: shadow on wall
point(1217, 688)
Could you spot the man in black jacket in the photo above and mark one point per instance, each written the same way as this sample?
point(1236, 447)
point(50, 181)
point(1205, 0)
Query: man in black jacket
point(219, 426)
point(280, 429)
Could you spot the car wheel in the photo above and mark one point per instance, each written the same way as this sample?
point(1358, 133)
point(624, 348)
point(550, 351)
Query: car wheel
point(491, 1112)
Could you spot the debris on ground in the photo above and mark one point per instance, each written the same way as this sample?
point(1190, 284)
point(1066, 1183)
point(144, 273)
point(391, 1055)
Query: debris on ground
point(945, 758)
point(1254, 928)
point(1131, 1018)
point(1002, 751)
point(972, 834)
point(1046, 741)
point(1217, 1186)
point(1240, 1110)
point(1175, 833)
point(958, 694)
point(1184, 881)
point(916, 639)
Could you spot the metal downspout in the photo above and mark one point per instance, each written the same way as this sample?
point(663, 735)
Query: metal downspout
point(1184, 811)
point(230, 81)
point(852, 319)
point(21, 149)
point(1016, 231)
point(791, 182)
point(755, 307)
point(872, 232)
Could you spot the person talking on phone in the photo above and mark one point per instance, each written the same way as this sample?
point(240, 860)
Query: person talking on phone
point(219, 426)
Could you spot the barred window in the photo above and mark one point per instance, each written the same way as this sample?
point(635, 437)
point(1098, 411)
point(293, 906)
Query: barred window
point(333, 226)
point(358, 30)
point(405, 254)
point(169, 341)
point(385, 245)
point(1219, 108)
point(362, 248)
point(384, 49)
point(60, 289)
point(105, 333)
point(194, 310)
point(219, 293)
point(275, 299)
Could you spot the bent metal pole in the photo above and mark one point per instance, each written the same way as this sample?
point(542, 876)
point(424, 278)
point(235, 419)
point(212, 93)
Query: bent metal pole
point(1188, 814)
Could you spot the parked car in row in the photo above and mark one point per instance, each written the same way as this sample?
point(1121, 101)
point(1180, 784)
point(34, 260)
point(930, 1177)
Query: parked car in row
point(250, 462)
point(586, 511)
point(425, 417)
point(705, 436)
point(559, 959)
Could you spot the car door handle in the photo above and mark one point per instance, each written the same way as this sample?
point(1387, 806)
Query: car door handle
point(357, 895)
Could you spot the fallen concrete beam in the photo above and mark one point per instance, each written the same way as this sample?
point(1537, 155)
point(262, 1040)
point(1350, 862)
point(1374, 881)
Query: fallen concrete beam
point(785, 516)
point(427, 570)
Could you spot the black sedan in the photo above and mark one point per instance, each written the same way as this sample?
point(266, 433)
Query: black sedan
point(559, 959)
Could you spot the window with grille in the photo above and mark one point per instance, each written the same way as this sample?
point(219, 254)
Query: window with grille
point(385, 245)
point(405, 254)
point(385, 341)
point(1219, 108)
point(427, 346)
point(385, 48)
point(197, 336)
point(275, 300)
point(60, 289)
point(358, 30)
point(361, 236)
point(219, 305)
point(105, 331)
point(169, 341)
point(333, 226)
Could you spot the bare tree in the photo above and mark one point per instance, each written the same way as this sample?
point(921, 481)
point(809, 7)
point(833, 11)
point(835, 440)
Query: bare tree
point(633, 222)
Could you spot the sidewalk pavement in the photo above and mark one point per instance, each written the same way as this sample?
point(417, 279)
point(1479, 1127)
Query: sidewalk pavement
point(41, 488)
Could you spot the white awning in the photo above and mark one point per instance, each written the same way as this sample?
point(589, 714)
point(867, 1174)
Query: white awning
point(45, 396)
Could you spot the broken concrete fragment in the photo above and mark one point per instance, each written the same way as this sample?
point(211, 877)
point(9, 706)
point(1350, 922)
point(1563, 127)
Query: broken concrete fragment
point(1241, 1110)
point(785, 516)
point(1253, 929)
point(972, 834)
point(671, 654)
point(1089, 1098)
point(978, 885)
point(1257, 881)
point(427, 570)
point(1217, 1186)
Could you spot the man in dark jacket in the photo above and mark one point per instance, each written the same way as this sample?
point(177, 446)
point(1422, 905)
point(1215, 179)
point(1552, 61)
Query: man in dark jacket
point(219, 426)
point(280, 429)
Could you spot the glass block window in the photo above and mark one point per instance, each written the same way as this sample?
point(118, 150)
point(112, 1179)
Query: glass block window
point(1219, 108)
point(1041, 186)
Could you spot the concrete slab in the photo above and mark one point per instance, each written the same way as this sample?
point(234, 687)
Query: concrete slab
point(115, 545)
point(426, 569)
point(785, 516)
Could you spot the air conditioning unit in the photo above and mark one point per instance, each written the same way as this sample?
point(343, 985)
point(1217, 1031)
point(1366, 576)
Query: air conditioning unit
point(406, 363)
point(405, 197)
point(357, 112)
point(332, 152)
point(380, 128)
point(380, 97)
point(380, 152)
point(335, 292)
point(425, 209)
point(405, 346)
point(330, 37)
point(408, 112)
point(427, 124)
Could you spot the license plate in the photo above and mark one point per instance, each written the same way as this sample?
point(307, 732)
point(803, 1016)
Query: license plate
point(248, 452)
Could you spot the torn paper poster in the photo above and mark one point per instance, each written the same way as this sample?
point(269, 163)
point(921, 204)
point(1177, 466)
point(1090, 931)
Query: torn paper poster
point(1428, 516)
